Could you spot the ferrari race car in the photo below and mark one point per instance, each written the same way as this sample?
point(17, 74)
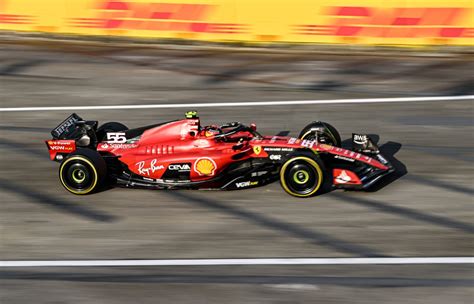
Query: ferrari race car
point(183, 154)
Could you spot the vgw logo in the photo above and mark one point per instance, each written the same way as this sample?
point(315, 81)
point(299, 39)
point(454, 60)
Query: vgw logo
point(245, 184)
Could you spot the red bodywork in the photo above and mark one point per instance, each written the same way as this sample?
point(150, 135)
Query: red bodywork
point(182, 145)
point(58, 146)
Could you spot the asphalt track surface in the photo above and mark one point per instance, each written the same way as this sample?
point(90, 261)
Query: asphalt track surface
point(426, 211)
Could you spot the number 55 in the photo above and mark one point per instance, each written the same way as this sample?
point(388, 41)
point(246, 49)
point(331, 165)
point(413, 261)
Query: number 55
point(116, 138)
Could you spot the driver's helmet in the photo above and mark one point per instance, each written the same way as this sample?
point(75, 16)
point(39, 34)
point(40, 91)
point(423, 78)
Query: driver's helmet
point(193, 118)
point(191, 115)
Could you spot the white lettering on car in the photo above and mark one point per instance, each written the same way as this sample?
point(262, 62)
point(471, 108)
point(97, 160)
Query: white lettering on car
point(246, 184)
point(275, 157)
point(308, 143)
point(116, 138)
point(180, 167)
point(58, 148)
point(148, 170)
point(360, 139)
point(344, 158)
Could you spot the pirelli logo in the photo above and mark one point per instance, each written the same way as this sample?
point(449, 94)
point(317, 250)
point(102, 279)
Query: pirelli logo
point(129, 15)
point(422, 22)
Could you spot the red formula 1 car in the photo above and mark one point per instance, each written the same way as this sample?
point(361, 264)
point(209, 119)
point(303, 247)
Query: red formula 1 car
point(183, 154)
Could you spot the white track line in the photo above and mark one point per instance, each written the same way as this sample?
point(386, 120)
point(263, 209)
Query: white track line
point(231, 262)
point(240, 104)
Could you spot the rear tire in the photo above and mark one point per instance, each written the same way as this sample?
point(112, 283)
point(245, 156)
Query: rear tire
point(330, 134)
point(109, 127)
point(83, 172)
point(302, 176)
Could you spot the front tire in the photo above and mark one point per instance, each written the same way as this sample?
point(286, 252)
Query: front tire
point(302, 176)
point(323, 132)
point(83, 172)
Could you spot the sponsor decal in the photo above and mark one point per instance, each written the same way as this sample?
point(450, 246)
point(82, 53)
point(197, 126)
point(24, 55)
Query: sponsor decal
point(259, 173)
point(342, 177)
point(179, 167)
point(275, 157)
point(61, 146)
point(205, 166)
point(107, 146)
point(277, 149)
point(15, 19)
point(381, 159)
point(246, 184)
point(344, 154)
point(257, 149)
point(392, 22)
point(271, 149)
point(360, 139)
point(308, 143)
point(116, 138)
point(65, 125)
point(344, 158)
point(326, 147)
point(293, 140)
point(157, 16)
point(147, 170)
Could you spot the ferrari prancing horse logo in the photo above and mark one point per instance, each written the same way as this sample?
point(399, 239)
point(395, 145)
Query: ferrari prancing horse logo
point(257, 149)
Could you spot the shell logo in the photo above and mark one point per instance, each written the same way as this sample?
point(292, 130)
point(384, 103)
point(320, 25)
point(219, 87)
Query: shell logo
point(205, 166)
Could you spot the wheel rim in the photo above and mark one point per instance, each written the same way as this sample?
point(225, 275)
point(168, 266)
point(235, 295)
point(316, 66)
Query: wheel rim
point(78, 175)
point(301, 176)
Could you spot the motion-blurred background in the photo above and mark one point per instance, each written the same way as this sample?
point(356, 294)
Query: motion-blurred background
point(71, 53)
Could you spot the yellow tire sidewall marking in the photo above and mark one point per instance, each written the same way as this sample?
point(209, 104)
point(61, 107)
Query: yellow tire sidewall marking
point(84, 159)
point(312, 163)
point(306, 134)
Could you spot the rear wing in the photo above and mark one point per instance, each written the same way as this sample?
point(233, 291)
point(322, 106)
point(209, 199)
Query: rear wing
point(66, 127)
point(64, 137)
